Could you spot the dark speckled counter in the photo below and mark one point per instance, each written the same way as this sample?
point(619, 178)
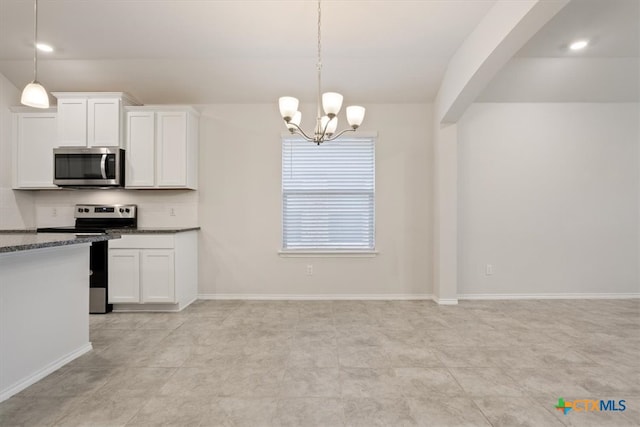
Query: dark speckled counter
point(154, 230)
point(13, 241)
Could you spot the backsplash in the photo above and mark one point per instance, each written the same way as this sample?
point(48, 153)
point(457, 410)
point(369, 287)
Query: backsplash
point(161, 208)
point(16, 209)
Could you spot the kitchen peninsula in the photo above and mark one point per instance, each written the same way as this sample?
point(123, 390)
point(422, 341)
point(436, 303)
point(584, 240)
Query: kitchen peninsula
point(44, 295)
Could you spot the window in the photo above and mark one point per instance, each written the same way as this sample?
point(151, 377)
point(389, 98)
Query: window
point(328, 194)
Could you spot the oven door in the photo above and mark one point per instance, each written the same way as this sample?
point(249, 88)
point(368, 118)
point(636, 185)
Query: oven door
point(94, 167)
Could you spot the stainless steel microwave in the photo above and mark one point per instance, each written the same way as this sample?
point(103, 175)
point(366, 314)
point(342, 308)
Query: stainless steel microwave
point(88, 167)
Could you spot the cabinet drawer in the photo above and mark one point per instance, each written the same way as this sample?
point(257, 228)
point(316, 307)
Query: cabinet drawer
point(137, 241)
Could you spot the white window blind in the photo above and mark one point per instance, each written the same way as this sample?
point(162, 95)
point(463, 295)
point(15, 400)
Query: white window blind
point(328, 194)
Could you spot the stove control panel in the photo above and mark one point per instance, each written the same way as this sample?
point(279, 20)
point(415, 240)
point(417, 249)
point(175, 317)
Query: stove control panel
point(105, 211)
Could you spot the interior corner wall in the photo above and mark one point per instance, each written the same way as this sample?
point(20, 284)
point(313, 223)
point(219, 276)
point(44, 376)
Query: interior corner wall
point(549, 198)
point(16, 207)
point(240, 209)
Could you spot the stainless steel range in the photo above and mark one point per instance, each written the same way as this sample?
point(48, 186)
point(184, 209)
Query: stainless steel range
point(99, 219)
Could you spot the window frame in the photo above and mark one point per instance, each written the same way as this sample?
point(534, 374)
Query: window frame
point(328, 252)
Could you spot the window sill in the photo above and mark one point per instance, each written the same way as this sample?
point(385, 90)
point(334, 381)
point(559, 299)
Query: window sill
point(305, 253)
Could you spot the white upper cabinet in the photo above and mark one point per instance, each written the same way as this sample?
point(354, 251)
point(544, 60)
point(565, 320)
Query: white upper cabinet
point(72, 122)
point(91, 119)
point(162, 147)
point(104, 123)
point(140, 155)
point(34, 137)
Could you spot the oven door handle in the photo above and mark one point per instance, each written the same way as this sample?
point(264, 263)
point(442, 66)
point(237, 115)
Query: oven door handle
point(103, 166)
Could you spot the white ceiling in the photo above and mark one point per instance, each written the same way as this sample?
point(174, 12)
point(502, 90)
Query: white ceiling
point(207, 51)
point(608, 70)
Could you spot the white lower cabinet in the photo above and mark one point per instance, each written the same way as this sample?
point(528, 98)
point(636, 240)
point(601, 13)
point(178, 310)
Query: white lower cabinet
point(157, 272)
point(145, 270)
point(124, 275)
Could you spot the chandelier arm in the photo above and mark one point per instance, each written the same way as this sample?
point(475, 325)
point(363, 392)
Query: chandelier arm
point(324, 131)
point(338, 135)
point(300, 132)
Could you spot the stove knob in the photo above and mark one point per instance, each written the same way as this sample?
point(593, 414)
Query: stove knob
point(121, 210)
point(127, 210)
point(79, 209)
point(86, 210)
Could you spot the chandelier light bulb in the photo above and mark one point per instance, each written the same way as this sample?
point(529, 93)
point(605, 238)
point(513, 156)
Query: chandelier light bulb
point(355, 115)
point(295, 121)
point(331, 103)
point(332, 126)
point(288, 107)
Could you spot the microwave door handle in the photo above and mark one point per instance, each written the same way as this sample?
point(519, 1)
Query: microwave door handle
point(103, 166)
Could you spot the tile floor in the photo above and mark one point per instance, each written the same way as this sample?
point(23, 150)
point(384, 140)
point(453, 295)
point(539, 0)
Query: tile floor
point(334, 363)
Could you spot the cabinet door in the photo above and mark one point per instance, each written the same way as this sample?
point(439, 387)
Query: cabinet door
point(140, 155)
point(124, 276)
point(171, 149)
point(157, 276)
point(34, 137)
point(103, 122)
point(72, 122)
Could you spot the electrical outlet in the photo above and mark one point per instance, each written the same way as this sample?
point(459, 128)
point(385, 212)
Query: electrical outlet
point(489, 270)
point(309, 270)
point(54, 212)
point(172, 211)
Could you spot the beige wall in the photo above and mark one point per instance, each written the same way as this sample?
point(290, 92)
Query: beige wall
point(240, 208)
point(549, 196)
point(16, 207)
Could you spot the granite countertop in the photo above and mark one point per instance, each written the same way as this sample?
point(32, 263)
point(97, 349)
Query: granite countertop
point(23, 241)
point(153, 230)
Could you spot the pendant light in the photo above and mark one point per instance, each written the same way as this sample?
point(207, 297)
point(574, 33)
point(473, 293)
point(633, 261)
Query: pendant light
point(34, 94)
point(330, 102)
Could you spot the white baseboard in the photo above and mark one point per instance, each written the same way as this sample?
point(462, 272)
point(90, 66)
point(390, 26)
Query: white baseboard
point(409, 297)
point(131, 308)
point(41, 373)
point(548, 296)
point(153, 308)
point(315, 297)
point(445, 301)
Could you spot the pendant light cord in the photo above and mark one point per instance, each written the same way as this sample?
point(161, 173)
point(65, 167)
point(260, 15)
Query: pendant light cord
point(35, 41)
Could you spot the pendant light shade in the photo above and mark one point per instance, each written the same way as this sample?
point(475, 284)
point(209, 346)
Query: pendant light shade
point(34, 94)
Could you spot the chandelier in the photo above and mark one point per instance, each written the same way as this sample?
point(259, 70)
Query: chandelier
point(330, 102)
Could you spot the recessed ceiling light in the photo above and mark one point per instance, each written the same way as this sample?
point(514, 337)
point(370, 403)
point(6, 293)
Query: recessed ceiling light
point(44, 47)
point(578, 45)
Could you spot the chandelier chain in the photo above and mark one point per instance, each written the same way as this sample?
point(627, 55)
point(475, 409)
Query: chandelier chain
point(319, 35)
point(319, 66)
